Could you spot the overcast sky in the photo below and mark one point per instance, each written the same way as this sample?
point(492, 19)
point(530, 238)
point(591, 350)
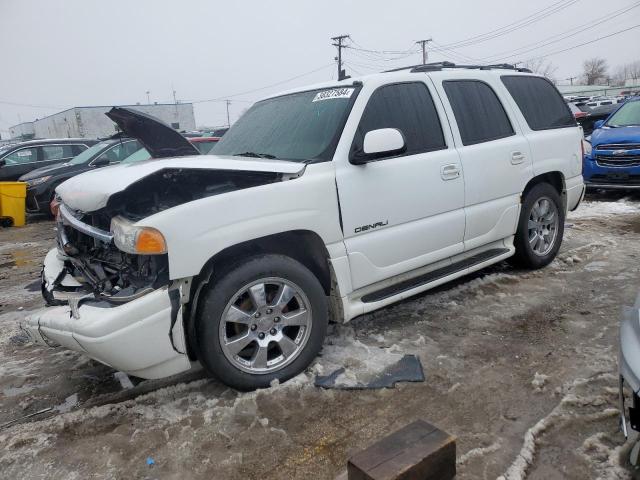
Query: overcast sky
point(58, 54)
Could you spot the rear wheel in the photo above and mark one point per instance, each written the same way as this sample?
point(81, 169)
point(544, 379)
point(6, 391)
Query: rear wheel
point(262, 320)
point(540, 227)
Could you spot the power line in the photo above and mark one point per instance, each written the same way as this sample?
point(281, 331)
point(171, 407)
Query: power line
point(50, 107)
point(222, 99)
point(586, 43)
point(523, 22)
point(562, 36)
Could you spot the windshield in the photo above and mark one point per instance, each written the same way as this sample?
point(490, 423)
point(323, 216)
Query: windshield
point(204, 147)
point(301, 127)
point(88, 154)
point(138, 156)
point(626, 116)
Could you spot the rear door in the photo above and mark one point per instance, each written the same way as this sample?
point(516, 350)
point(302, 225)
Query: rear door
point(495, 157)
point(548, 125)
point(19, 162)
point(52, 154)
point(405, 211)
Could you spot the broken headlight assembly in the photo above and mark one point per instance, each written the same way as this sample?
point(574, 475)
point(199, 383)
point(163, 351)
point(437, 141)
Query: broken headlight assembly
point(137, 240)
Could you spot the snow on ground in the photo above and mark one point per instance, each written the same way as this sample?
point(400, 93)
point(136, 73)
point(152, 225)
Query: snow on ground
point(590, 209)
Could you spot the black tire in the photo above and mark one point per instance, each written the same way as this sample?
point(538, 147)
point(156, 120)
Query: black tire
point(215, 297)
point(525, 255)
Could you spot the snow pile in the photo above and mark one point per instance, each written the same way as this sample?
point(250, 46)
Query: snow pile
point(479, 452)
point(539, 381)
point(586, 408)
point(592, 209)
point(361, 362)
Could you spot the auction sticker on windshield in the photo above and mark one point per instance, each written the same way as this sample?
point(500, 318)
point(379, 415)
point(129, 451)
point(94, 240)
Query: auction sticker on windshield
point(333, 93)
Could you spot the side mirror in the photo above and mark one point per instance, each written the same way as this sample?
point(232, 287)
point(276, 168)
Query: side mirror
point(383, 142)
point(3, 162)
point(100, 162)
point(598, 124)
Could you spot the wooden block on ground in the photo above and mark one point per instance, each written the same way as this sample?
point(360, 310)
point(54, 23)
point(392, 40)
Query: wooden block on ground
point(417, 451)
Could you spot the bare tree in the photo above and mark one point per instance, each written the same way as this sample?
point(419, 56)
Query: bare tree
point(594, 70)
point(633, 70)
point(542, 67)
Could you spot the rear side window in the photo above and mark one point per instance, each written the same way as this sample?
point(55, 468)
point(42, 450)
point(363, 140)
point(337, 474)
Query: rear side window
point(478, 111)
point(407, 107)
point(539, 101)
point(56, 152)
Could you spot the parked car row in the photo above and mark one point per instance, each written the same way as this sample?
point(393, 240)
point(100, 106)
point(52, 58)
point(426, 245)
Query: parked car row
point(45, 164)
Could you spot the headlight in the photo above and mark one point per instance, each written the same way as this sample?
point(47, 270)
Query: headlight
point(137, 240)
point(586, 148)
point(37, 181)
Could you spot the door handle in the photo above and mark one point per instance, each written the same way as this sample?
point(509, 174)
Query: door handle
point(517, 157)
point(449, 172)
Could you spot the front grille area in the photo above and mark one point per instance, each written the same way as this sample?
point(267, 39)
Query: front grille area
point(608, 160)
point(617, 154)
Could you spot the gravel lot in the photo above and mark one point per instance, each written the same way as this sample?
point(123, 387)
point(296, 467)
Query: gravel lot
point(520, 366)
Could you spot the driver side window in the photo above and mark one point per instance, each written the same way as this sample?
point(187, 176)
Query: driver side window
point(407, 107)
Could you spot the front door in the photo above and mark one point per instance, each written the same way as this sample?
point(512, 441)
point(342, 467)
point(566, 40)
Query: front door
point(19, 162)
point(404, 211)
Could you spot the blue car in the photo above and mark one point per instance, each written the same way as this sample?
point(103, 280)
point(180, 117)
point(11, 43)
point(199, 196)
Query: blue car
point(612, 159)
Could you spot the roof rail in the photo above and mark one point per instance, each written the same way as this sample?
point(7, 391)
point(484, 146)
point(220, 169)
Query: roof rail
point(435, 66)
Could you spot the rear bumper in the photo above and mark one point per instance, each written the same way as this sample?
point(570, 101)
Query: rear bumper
point(133, 337)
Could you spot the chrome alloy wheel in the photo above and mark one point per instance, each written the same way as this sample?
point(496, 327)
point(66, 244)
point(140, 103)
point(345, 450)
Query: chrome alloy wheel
point(543, 226)
point(265, 326)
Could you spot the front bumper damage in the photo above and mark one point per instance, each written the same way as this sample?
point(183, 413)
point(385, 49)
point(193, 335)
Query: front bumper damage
point(629, 366)
point(142, 334)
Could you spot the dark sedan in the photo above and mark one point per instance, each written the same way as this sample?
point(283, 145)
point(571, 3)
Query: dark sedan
point(41, 183)
point(19, 159)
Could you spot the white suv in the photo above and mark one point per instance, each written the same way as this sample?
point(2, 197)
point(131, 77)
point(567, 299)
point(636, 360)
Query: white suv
point(321, 203)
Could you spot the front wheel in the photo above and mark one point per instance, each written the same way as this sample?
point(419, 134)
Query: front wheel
point(261, 320)
point(540, 227)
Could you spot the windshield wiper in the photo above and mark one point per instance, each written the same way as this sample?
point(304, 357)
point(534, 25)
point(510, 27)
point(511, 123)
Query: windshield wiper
point(255, 155)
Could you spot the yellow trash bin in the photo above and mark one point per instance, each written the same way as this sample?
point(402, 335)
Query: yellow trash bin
point(12, 203)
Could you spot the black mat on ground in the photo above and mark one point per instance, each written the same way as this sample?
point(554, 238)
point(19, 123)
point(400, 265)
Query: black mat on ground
point(407, 369)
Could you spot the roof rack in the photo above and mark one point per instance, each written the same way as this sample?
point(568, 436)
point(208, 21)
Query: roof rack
point(436, 66)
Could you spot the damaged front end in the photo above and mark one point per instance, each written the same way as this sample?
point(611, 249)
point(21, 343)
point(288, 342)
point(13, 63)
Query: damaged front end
point(87, 262)
point(116, 306)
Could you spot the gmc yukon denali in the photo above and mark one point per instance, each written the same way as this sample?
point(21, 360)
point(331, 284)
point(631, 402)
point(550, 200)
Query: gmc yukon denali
point(319, 204)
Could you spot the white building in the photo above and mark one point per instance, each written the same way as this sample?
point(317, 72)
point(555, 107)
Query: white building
point(91, 122)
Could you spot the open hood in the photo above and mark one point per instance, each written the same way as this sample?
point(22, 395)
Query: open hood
point(91, 191)
point(158, 138)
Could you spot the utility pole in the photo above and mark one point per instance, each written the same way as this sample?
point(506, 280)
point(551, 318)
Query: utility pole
point(228, 102)
point(339, 39)
point(423, 44)
point(571, 79)
point(148, 100)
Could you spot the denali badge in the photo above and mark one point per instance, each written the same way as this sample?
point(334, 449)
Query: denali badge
point(364, 228)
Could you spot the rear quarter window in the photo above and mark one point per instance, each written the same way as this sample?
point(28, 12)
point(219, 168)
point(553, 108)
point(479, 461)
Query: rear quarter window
point(539, 101)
